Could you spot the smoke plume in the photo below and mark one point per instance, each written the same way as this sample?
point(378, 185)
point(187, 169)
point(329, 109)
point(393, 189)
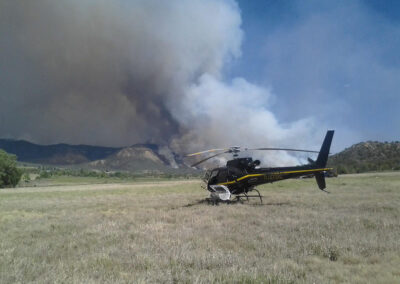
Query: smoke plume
point(122, 72)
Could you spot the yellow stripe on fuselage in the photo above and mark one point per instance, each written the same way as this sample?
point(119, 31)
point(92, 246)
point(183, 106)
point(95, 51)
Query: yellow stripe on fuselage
point(273, 173)
point(242, 178)
point(305, 171)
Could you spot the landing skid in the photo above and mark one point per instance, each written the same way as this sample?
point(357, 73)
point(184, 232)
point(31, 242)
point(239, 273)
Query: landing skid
point(239, 198)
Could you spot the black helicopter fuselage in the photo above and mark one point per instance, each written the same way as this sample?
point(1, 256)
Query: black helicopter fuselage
point(242, 175)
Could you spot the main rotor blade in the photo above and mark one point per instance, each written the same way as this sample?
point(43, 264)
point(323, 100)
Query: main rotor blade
point(199, 162)
point(284, 149)
point(206, 151)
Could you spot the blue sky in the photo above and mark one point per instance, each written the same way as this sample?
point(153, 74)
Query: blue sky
point(335, 61)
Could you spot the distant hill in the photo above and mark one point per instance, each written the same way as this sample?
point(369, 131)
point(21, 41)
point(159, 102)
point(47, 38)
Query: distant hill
point(367, 156)
point(58, 154)
point(139, 157)
point(134, 158)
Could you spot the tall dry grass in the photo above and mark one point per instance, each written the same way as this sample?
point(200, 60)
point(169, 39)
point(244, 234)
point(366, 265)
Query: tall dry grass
point(162, 232)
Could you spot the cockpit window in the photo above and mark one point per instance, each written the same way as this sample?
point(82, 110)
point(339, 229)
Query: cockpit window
point(222, 175)
point(218, 176)
point(212, 179)
point(214, 173)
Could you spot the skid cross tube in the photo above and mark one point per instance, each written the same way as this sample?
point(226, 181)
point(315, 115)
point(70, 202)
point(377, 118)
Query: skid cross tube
point(245, 195)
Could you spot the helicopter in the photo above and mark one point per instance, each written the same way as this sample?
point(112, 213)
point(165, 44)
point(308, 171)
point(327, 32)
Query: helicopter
point(241, 175)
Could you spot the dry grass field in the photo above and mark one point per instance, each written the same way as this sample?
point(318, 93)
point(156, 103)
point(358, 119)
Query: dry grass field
point(148, 232)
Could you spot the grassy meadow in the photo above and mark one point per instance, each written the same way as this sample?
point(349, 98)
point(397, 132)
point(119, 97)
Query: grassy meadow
point(147, 231)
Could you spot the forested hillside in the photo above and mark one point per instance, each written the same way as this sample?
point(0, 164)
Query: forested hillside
point(367, 156)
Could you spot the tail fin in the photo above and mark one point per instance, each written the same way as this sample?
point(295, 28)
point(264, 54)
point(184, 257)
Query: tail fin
point(323, 159)
point(324, 152)
point(320, 180)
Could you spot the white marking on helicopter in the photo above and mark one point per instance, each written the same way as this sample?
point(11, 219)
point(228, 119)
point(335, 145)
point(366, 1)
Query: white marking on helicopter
point(220, 192)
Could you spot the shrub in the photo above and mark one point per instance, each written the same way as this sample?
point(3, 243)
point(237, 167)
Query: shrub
point(45, 174)
point(26, 177)
point(10, 175)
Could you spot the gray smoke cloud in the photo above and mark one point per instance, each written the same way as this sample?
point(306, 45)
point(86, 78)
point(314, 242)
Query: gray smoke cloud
point(122, 72)
point(101, 72)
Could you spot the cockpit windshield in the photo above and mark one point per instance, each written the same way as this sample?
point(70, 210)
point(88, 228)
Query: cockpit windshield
point(216, 176)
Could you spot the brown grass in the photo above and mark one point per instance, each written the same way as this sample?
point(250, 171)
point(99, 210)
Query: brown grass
point(162, 232)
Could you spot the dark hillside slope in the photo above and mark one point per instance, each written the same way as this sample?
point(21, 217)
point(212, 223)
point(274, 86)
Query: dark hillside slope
point(367, 156)
point(139, 157)
point(58, 154)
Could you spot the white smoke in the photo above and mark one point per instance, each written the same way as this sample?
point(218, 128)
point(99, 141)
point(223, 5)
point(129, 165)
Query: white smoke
point(219, 114)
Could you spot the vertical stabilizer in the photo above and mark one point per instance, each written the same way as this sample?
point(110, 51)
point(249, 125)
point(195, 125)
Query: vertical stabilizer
point(323, 159)
point(320, 180)
point(324, 152)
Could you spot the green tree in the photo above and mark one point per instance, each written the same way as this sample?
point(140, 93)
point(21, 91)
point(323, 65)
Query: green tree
point(10, 175)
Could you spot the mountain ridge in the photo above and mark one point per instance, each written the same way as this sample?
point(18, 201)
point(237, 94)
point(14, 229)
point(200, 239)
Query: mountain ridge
point(135, 157)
